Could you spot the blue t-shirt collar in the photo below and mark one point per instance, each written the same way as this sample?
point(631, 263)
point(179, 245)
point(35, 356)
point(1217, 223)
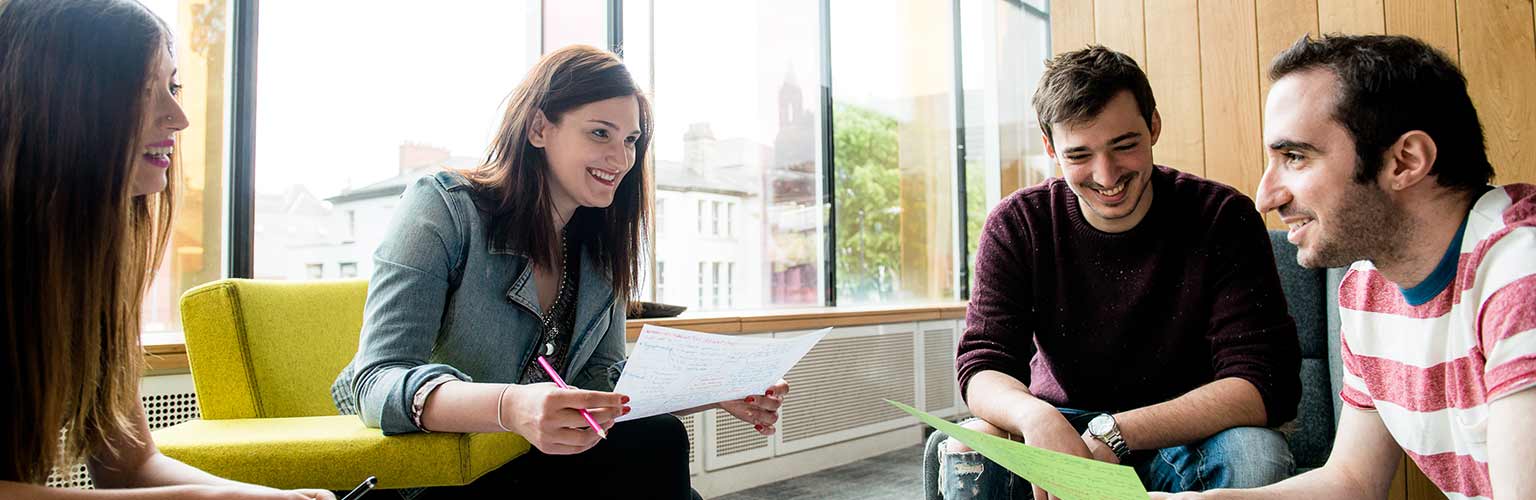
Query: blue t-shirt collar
point(1444, 272)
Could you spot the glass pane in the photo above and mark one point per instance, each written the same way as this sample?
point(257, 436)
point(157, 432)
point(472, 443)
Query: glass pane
point(639, 39)
point(735, 146)
point(569, 22)
point(346, 123)
point(893, 123)
point(1003, 151)
point(196, 252)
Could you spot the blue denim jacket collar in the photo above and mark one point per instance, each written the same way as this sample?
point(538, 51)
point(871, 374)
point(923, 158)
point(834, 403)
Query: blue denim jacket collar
point(595, 296)
point(588, 304)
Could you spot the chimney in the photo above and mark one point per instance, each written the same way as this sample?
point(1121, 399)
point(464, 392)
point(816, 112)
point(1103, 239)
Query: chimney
point(698, 147)
point(414, 156)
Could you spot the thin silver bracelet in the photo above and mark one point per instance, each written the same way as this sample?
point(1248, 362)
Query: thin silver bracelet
point(498, 408)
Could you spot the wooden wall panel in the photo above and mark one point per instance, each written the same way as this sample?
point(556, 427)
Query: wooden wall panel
point(1229, 71)
point(1281, 23)
point(1207, 58)
point(1355, 17)
point(1498, 56)
point(1433, 21)
point(1118, 24)
point(1172, 64)
point(1071, 25)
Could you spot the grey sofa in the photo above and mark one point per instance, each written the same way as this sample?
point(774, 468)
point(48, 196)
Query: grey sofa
point(1312, 297)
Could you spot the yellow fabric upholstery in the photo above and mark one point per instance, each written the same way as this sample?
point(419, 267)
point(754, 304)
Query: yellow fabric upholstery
point(263, 355)
point(334, 452)
point(263, 349)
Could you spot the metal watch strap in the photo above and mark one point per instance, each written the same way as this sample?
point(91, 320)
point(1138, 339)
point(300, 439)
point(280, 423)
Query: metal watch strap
point(1116, 443)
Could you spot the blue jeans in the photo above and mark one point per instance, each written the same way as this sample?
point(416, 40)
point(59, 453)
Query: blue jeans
point(1240, 457)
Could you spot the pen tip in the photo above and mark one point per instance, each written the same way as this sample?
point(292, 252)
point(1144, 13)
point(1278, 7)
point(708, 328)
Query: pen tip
point(602, 433)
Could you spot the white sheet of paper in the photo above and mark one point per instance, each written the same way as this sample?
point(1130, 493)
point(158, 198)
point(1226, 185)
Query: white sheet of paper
point(672, 369)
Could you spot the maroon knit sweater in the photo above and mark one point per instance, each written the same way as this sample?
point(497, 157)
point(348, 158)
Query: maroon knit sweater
point(1112, 322)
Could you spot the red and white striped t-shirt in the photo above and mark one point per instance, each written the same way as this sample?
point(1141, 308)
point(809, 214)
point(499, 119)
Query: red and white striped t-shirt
point(1430, 370)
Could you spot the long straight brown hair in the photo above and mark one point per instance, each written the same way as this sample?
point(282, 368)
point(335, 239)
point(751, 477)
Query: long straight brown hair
point(77, 248)
point(515, 176)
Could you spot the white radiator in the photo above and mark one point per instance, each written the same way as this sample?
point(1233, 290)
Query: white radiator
point(729, 442)
point(941, 389)
point(691, 423)
point(838, 391)
point(168, 400)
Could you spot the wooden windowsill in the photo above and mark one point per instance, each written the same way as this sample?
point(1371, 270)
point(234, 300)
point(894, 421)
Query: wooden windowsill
point(778, 320)
point(167, 352)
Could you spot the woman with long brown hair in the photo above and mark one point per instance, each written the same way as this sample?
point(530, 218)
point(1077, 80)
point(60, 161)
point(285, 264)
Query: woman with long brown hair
point(534, 253)
point(88, 117)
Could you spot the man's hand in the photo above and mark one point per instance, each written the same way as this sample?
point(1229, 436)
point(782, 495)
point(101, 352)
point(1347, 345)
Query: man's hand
point(1097, 450)
point(1057, 435)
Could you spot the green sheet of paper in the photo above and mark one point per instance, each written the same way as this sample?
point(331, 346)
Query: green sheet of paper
point(1066, 476)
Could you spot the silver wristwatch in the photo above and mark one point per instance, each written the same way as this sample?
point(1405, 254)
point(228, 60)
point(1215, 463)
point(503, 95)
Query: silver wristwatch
point(1107, 431)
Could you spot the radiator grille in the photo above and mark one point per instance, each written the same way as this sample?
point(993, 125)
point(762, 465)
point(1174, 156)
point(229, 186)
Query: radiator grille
point(938, 369)
point(165, 410)
point(76, 478)
point(843, 382)
point(162, 410)
point(691, 423)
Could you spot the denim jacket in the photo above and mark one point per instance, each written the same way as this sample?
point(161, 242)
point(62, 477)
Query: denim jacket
point(445, 299)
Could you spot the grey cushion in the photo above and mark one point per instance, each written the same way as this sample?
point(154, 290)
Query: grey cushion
point(1304, 295)
point(1335, 365)
point(1312, 439)
point(1312, 295)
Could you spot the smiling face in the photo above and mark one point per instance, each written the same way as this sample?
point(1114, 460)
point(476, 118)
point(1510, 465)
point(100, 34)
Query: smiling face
point(162, 118)
point(589, 150)
point(1107, 162)
point(1309, 178)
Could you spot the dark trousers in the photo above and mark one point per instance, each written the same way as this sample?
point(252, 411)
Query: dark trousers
point(644, 458)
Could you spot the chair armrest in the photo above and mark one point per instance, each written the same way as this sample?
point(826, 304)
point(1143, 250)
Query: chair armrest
point(334, 452)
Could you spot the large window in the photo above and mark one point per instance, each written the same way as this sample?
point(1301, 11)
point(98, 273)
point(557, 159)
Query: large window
point(1003, 45)
point(806, 152)
point(196, 251)
point(893, 123)
point(735, 147)
point(744, 109)
point(350, 113)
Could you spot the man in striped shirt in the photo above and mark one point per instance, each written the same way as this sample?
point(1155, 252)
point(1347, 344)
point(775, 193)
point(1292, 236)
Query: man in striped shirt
point(1376, 155)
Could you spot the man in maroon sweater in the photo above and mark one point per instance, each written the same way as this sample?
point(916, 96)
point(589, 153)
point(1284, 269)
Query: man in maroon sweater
point(1125, 312)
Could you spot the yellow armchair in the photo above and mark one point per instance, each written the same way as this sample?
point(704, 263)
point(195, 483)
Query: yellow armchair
point(263, 355)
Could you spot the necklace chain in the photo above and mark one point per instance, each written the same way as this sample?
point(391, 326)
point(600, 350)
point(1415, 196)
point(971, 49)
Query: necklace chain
point(549, 314)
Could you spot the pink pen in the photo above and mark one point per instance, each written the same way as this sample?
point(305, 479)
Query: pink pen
point(544, 363)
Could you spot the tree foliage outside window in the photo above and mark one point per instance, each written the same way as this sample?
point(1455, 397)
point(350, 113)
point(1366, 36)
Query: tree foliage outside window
point(868, 181)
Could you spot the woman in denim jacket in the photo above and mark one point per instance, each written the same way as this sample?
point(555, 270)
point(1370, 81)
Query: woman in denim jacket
point(531, 254)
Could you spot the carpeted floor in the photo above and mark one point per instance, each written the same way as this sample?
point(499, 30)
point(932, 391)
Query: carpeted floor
point(896, 475)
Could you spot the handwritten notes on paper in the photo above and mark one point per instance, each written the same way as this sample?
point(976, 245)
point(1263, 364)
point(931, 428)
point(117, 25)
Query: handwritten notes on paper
point(672, 369)
point(1065, 476)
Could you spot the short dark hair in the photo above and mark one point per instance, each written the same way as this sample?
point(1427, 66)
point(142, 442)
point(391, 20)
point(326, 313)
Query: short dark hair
point(1388, 86)
point(1077, 85)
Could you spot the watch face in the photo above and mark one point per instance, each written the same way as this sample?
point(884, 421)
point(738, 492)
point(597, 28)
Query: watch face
point(1101, 425)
